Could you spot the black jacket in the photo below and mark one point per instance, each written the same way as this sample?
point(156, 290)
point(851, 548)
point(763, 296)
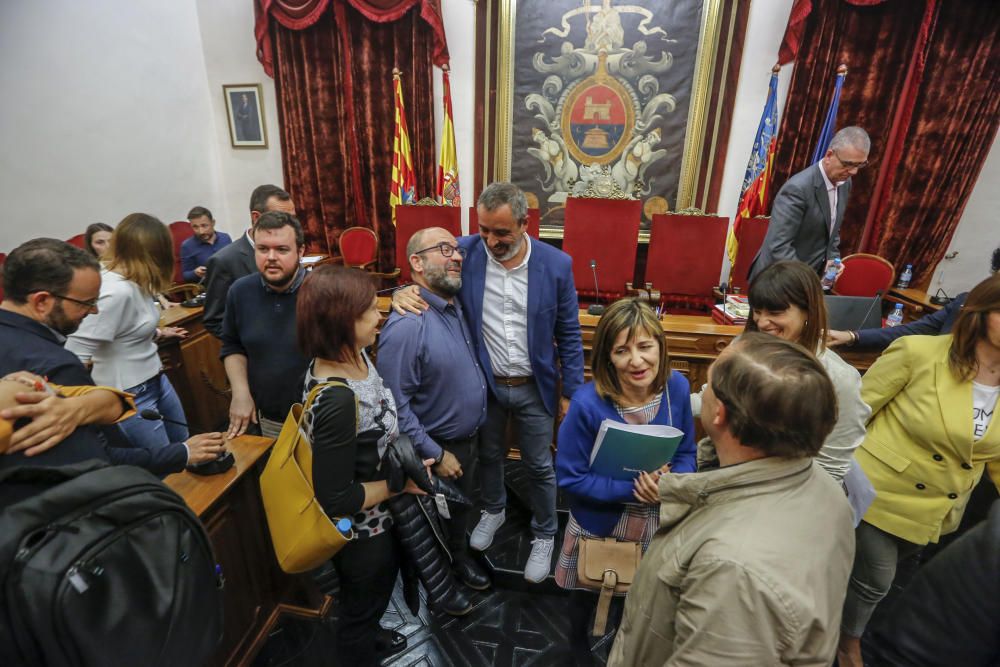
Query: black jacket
point(950, 613)
point(223, 269)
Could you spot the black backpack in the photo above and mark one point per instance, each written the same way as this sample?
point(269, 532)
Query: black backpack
point(104, 565)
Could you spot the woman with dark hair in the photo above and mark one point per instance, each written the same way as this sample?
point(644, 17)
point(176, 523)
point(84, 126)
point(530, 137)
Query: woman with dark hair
point(632, 384)
point(119, 339)
point(786, 300)
point(97, 239)
point(929, 439)
point(350, 428)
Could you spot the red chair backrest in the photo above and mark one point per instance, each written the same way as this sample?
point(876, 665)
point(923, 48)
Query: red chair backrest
point(685, 253)
point(752, 231)
point(606, 231)
point(358, 246)
point(79, 241)
point(411, 219)
point(864, 275)
point(180, 231)
point(534, 224)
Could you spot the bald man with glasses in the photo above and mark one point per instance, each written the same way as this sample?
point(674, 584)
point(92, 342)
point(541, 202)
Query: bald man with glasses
point(809, 209)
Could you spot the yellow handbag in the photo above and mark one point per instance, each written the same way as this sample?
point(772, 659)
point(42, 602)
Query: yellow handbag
point(304, 537)
point(608, 566)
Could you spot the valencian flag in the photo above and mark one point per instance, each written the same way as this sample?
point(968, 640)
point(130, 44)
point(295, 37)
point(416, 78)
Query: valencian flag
point(831, 118)
point(404, 181)
point(447, 181)
point(757, 180)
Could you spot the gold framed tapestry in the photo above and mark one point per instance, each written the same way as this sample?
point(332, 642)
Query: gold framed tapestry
point(621, 93)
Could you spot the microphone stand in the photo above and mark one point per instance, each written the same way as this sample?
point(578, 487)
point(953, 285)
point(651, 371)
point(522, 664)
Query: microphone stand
point(595, 308)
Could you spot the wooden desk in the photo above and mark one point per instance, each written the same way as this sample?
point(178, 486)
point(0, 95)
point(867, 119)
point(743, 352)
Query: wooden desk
point(694, 341)
point(195, 370)
point(916, 303)
point(256, 591)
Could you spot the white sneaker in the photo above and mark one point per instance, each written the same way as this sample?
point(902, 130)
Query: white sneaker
point(540, 561)
point(482, 534)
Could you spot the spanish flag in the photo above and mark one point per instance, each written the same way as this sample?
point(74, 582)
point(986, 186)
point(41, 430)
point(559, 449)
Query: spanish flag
point(757, 179)
point(447, 180)
point(404, 181)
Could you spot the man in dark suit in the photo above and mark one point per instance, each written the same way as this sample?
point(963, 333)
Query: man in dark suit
point(520, 303)
point(809, 209)
point(237, 259)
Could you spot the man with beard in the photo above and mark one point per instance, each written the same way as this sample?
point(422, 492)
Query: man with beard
point(237, 259)
point(429, 364)
point(259, 348)
point(49, 287)
point(196, 251)
point(520, 303)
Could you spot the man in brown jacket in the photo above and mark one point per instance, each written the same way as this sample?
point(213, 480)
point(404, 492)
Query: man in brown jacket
point(751, 561)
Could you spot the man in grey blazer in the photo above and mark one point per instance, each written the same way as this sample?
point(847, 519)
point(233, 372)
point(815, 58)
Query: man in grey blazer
point(237, 259)
point(809, 208)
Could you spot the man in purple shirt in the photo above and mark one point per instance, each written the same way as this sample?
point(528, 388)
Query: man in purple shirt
point(196, 250)
point(429, 363)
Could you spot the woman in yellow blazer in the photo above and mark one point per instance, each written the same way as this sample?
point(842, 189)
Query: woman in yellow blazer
point(929, 439)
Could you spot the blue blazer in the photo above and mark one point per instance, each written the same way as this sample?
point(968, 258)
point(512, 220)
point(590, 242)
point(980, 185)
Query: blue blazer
point(937, 323)
point(596, 501)
point(553, 317)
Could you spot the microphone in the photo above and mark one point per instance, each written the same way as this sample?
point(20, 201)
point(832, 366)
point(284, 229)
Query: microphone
point(154, 415)
point(876, 299)
point(221, 464)
point(595, 308)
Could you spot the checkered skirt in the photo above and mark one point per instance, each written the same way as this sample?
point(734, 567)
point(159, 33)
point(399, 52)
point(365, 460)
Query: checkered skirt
point(638, 523)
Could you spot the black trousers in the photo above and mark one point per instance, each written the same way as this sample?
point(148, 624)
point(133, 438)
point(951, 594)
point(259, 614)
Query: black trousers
point(467, 453)
point(367, 569)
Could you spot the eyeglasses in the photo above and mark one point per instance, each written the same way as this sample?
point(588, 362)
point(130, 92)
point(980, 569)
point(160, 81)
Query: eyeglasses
point(89, 305)
point(850, 165)
point(446, 249)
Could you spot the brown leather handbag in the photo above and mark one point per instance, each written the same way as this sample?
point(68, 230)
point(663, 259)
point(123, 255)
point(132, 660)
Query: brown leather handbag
point(608, 566)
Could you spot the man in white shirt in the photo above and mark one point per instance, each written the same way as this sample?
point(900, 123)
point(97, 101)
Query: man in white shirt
point(808, 211)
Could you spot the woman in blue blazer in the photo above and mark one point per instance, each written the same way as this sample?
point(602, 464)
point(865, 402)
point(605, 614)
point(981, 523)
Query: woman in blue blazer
point(632, 384)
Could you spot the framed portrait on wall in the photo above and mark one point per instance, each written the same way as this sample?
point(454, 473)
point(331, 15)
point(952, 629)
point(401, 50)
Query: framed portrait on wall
point(245, 111)
point(622, 93)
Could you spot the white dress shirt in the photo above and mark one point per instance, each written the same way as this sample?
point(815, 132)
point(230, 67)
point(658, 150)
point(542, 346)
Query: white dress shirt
point(119, 337)
point(505, 316)
point(831, 193)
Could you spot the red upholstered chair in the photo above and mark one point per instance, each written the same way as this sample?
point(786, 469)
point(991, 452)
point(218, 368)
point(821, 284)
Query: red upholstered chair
point(180, 231)
point(752, 231)
point(864, 275)
point(412, 218)
point(534, 224)
point(606, 231)
point(684, 260)
point(79, 240)
point(359, 249)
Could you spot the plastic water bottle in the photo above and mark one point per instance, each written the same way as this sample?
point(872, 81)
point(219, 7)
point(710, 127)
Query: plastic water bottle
point(895, 317)
point(831, 275)
point(905, 277)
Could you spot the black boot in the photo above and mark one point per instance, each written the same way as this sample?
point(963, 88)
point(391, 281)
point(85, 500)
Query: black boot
point(388, 642)
point(457, 603)
point(470, 573)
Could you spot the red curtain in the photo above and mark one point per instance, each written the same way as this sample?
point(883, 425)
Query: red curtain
point(332, 69)
point(920, 81)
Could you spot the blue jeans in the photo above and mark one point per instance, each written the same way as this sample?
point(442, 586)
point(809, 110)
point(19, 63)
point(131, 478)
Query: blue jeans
point(534, 438)
point(157, 394)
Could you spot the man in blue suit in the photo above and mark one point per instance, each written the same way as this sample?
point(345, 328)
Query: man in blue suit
point(521, 307)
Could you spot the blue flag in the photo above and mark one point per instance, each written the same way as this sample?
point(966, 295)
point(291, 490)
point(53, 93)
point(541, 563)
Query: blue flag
point(830, 123)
